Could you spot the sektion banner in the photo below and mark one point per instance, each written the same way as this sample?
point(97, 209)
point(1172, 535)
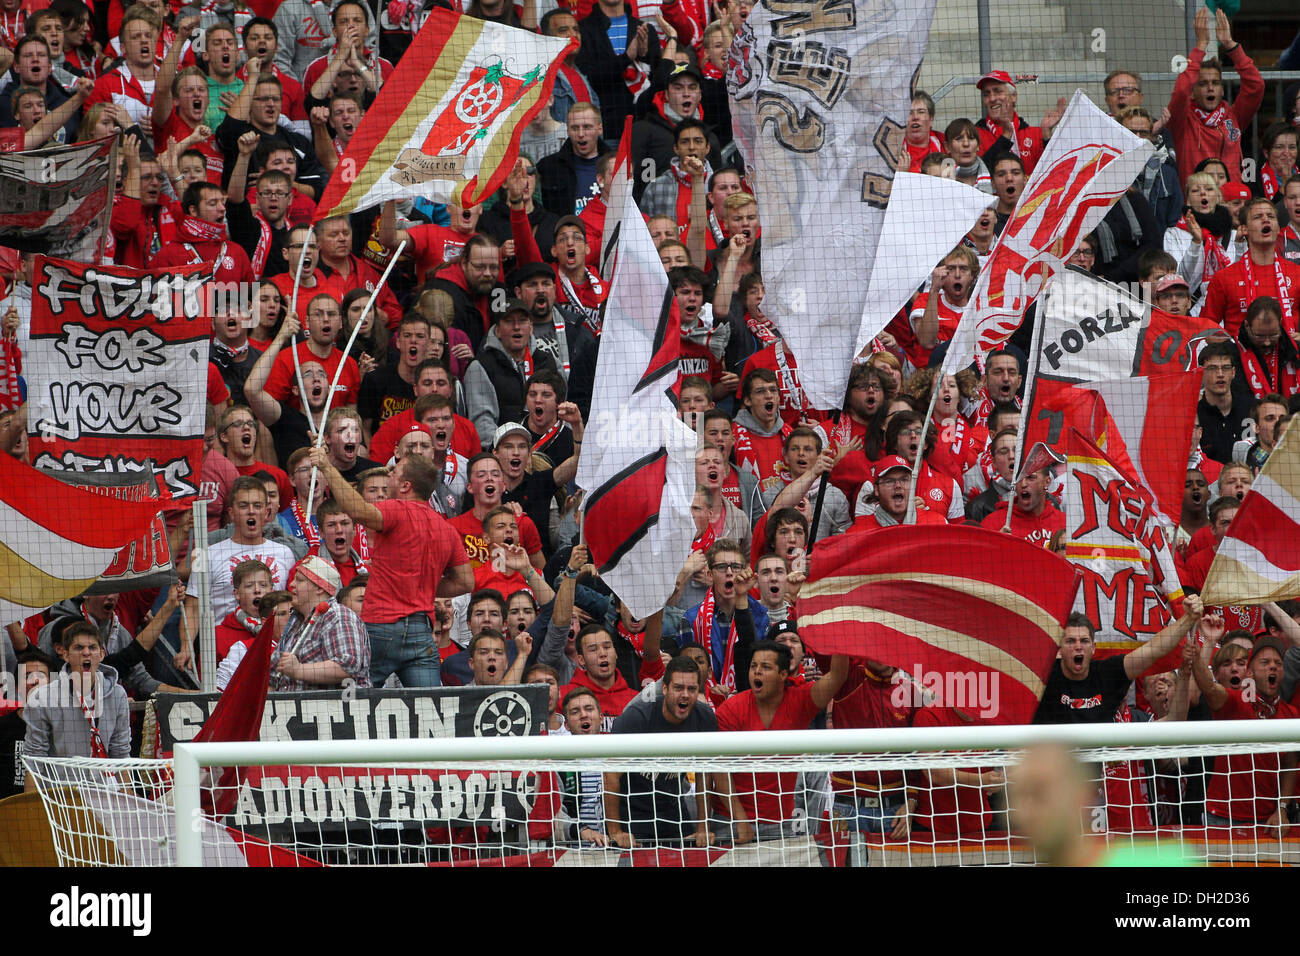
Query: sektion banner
point(117, 370)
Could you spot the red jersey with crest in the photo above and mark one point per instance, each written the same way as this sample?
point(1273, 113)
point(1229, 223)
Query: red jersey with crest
point(854, 468)
point(793, 403)
point(957, 446)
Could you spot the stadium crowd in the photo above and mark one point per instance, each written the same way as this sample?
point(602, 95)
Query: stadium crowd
point(440, 544)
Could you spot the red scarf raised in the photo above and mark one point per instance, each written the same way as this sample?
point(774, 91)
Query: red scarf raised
point(193, 229)
point(637, 640)
point(1215, 257)
point(1270, 181)
point(308, 531)
point(263, 242)
point(1271, 377)
point(704, 637)
point(762, 330)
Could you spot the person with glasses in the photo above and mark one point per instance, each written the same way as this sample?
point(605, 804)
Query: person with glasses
point(887, 495)
point(202, 237)
point(262, 229)
point(257, 109)
point(729, 619)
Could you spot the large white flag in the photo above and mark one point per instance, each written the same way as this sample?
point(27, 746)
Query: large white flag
point(821, 96)
point(926, 218)
point(638, 459)
point(1089, 163)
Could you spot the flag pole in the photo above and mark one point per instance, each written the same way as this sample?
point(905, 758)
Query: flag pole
point(329, 396)
point(910, 517)
point(293, 311)
point(821, 490)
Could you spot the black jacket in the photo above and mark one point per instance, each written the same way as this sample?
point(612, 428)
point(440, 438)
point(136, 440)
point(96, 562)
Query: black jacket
point(558, 176)
point(603, 68)
point(653, 138)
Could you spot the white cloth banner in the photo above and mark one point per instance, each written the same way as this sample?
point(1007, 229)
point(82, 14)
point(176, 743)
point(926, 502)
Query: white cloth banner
point(925, 219)
point(638, 458)
point(820, 100)
point(1088, 164)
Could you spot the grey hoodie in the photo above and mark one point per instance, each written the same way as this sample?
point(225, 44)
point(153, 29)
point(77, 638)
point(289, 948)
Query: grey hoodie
point(306, 32)
point(57, 725)
point(481, 392)
point(745, 420)
point(115, 638)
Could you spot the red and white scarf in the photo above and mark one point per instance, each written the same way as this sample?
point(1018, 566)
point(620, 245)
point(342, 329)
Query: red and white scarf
point(307, 531)
point(1219, 117)
point(264, 236)
point(251, 624)
point(704, 637)
point(788, 379)
point(96, 741)
point(762, 330)
point(1283, 291)
point(706, 538)
point(1271, 377)
point(635, 638)
point(1215, 257)
point(546, 438)
point(11, 357)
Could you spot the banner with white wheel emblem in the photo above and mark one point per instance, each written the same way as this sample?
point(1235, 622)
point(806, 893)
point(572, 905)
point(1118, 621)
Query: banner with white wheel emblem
point(446, 125)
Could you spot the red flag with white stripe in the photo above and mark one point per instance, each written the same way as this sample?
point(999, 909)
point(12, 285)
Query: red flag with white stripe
point(993, 618)
point(1259, 558)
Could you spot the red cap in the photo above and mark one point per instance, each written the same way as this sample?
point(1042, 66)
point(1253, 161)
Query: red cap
point(418, 427)
point(1233, 191)
point(995, 76)
point(1171, 281)
point(889, 463)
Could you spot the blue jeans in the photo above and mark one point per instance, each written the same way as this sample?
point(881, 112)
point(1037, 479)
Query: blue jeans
point(863, 816)
point(406, 648)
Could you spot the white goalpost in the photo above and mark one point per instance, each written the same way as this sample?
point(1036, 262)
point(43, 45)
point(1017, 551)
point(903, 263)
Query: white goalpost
point(544, 801)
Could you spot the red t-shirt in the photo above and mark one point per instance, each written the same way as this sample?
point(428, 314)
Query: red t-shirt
point(917, 153)
point(284, 376)
point(230, 257)
point(951, 808)
point(471, 529)
point(464, 436)
point(867, 701)
point(698, 359)
point(1231, 291)
point(433, 245)
point(949, 317)
point(768, 797)
point(218, 393)
point(1244, 787)
point(854, 469)
point(485, 576)
point(956, 447)
point(331, 285)
point(175, 130)
point(407, 560)
point(1036, 529)
point(612, 699)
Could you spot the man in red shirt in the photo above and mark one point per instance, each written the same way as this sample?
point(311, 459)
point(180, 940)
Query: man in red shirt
point(1002, 130)
point(431, 245)
point(864, 403)
point(324, 319)
point(892, 477)
point(1247, 790)
point(1261, 271)
point(1193, 570)
point(431, 378)
point(415, 557)
point(767, 799)
point(935, 314)
point(201, 236)
point(314, 282)
point(759, 429)
point(338, 533)
point(334, 238)
point(486, 484)
point(1033, 516)
point(1200, 121)
point(599, 674)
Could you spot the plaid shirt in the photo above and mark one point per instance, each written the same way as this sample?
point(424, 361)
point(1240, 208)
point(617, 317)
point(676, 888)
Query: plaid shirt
point(334, 634)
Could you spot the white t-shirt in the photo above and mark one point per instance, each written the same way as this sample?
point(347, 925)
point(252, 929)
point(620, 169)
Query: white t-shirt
point(225, 556)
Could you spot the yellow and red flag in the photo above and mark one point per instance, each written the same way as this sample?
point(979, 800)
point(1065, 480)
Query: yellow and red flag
point(55, 539)
point(446, 125)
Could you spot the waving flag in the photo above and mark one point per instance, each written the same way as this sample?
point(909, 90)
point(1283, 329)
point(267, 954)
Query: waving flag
point(1000, 613)
point(820, 120)
point(638, 458)
point(1089, 163)
point(1115, 536)
point(55, 540)
point(1259, 558)
point(446, 125)
point(58, 200)
point(1142, 361)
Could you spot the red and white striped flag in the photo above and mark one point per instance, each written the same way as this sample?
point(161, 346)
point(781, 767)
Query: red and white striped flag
point(1259, 558)
point(998, 612)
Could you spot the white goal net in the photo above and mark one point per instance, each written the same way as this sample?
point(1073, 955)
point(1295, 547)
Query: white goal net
point(605, 801)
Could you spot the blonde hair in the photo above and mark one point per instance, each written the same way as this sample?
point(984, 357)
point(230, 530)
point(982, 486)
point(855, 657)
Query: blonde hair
point(436, 306)
point(1205, 179)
